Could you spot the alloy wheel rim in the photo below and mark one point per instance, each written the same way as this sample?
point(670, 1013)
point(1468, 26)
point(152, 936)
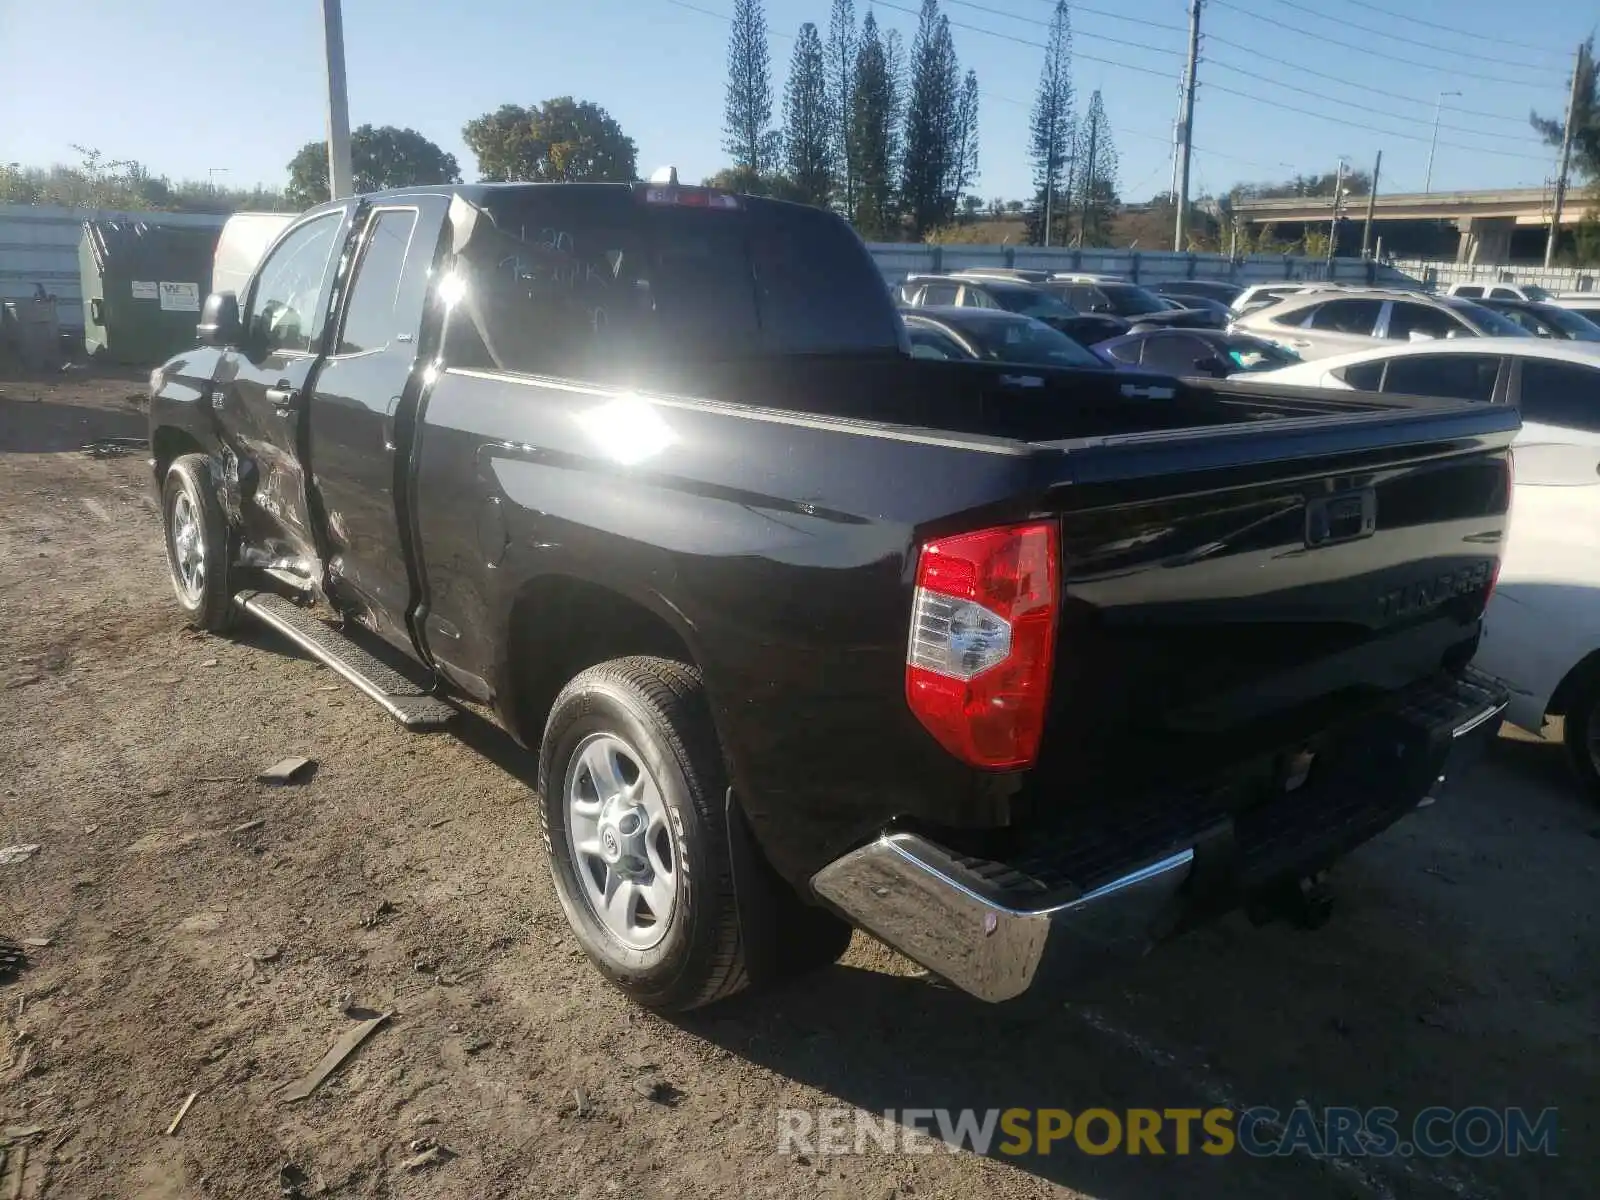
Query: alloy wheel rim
point(188, 547)
point(621, 841)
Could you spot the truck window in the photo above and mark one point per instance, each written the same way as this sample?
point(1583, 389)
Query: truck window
point(290, 298)
point(370, 321)
point(593, 283)
point(1470, 290)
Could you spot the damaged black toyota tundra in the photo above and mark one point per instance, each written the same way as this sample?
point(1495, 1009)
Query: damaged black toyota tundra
point(1012, 667)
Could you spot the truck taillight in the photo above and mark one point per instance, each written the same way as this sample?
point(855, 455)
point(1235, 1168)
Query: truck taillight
point(982, 646)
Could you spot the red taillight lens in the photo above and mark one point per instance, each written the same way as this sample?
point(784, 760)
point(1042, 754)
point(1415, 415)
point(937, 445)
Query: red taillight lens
point(982, 647)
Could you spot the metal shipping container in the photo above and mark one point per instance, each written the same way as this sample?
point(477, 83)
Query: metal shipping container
point(143, 284)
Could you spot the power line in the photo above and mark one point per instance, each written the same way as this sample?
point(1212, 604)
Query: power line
point(706, 12)
point(1116, 16)
point(1483, 37)
point(1076, 33)
point(1006, 37)
point(1382, 112)
point(1410, 137)
point(1395, 37)
point(1412, 63)
point(1340, 79)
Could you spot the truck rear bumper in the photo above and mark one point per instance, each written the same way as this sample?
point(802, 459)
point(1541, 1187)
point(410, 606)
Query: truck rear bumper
point(945, 911)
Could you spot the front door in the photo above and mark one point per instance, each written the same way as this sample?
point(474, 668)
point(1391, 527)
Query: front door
point(361, 412)
point(261, 390)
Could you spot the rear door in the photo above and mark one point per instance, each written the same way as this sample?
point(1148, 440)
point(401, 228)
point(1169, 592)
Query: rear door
point(261, 389)
point(360, 411)
point(1333, 327)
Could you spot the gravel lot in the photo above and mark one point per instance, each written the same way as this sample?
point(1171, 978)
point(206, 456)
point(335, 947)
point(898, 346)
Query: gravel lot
point(1460, 967)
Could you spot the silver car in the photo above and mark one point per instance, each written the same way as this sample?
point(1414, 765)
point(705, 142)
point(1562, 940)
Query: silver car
point(1317, 324)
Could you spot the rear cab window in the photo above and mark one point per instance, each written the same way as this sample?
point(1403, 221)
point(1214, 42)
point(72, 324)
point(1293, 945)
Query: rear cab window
point(594, 283)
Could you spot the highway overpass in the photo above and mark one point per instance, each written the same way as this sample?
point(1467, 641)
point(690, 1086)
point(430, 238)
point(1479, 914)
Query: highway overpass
point(1488, 220)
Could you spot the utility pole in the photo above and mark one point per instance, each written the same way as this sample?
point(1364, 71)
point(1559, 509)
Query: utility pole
point(1438, 111)
point(1566, 163)
point(1088, 182)
point(1333, 224)
point(340, 183)
point(1180, 235)
point(1372, 203)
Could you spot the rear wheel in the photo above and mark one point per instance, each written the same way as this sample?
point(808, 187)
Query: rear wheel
point(197, 543)
point(631, 785)
point(1581, 733)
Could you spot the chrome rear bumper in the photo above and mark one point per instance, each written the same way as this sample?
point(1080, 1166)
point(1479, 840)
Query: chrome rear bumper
point(897, 889)
point(910, 893)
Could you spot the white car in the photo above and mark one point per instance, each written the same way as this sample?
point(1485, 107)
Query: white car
point(1317, 324)
point(1542, 629)
point(1497, 291)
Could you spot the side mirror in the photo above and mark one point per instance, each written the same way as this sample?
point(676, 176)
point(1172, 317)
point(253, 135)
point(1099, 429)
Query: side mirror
point(1213, 364)
point(219, 320)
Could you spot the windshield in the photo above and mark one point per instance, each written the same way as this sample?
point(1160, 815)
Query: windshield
point(1577, 327)
point(1258, 354)
point(1130, 301)
point(1534, 292)
point(1489, 322)
point(1030, 303)
point(1031, 342)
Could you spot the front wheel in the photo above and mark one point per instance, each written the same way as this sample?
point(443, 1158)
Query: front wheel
point(631, 784)
point(197, 543)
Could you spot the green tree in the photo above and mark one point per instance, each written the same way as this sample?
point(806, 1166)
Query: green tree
point(875, 136)
point(560, 141)
point(808, 121)
point(380, 157)
point(1585, 119)
point(964, 166)
point(748, 113)
point(1097, 176)
point(843, 46)
point(932, 113)
point(1052, 133)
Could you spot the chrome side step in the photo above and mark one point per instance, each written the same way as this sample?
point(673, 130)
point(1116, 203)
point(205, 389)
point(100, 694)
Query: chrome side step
point(402, 699)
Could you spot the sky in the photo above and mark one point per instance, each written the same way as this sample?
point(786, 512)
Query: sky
point(229, 91)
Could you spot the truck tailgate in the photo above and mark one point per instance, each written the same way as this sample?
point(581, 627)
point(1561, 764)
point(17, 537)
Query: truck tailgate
point(1233, 590)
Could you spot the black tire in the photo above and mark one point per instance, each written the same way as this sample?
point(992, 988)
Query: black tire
point(209, 605)
point(658, 709)
point(1583, 714)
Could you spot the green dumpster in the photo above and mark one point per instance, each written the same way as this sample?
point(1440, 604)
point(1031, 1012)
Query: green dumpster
point(143, 284)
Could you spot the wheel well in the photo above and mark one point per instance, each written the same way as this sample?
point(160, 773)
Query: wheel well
point(561, 626)
point(169, 443)
point(1574, 684)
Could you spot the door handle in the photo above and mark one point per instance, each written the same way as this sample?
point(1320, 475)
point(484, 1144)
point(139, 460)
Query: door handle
point(285, 398)
point(1301, 342)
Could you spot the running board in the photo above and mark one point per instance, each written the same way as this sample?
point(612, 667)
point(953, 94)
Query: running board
point(402, 699)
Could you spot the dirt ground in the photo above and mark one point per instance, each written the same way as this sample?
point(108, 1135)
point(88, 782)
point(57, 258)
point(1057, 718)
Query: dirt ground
point(207, 935)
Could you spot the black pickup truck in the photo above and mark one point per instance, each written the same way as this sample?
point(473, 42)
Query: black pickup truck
point(1011, 667)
